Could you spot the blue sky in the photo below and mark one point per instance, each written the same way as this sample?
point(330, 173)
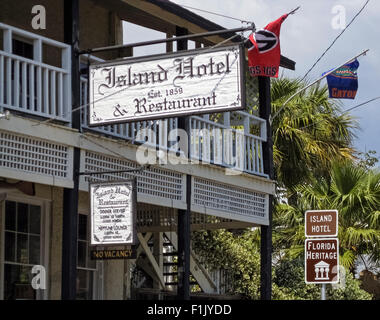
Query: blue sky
point(305, 36)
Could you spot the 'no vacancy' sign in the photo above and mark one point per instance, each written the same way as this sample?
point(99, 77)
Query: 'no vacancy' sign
point(322, 260)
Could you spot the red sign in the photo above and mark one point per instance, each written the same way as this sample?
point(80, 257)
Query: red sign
point(322, 260)
point(321, 223)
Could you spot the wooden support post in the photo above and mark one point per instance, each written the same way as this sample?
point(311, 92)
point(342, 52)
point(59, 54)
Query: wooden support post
point(183, 291)
point(266, 231)
point(158, 254)
point(152, 260)
point(70, 196)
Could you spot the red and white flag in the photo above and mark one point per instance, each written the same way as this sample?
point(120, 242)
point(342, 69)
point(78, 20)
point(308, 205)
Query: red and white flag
point(264, 56)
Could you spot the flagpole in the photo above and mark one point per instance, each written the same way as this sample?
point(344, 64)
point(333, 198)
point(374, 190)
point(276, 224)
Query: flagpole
point(314, 82)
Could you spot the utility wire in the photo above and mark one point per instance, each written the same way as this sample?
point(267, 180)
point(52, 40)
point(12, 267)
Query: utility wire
point(217, 14)
point(342, 113)
point(323, 54)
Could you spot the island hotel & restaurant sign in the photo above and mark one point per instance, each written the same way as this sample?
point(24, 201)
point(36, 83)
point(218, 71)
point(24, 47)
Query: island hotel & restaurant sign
point(168, 85)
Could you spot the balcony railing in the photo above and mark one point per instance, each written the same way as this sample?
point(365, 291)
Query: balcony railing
point(28, 82)
point(39, 83)
point(231, 144)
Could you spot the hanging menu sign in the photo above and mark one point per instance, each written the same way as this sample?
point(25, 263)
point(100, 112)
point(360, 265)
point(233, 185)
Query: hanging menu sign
point(113, 210)
point(170, 85)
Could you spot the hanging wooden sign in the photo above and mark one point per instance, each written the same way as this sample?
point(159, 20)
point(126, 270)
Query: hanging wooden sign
point(113, 213)
point(128, 253)
point(170, 85)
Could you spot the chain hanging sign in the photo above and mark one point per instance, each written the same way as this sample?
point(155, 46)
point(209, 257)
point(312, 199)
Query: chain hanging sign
point(113, 213)
point(170, 85)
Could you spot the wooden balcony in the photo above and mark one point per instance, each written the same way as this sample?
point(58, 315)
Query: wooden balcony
point(225, 149)
point(29, 82)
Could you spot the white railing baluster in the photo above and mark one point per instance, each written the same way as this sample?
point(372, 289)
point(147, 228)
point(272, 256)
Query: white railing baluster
point(126, 131)
point(196, 134)
point(257, 151)
point(218, 146)
point(16, 83)
point(39, 89)
point(46, 91)
point(261, 158)
point(66, 65)
point(163, 134)
point(31, 87)
point(240, 150)
point(24, 87)
point(248, 153)
point(60, 95)
point(52, 93)
point(9, 81)
point(252, 154)
point(206, 143)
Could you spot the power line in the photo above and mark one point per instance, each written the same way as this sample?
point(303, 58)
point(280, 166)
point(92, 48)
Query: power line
point(217, 14)
point(342, 113)
point(323, 54)
point(229, 17)
point(359, 105)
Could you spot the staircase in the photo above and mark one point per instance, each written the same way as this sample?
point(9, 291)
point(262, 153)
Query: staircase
point(163, 267)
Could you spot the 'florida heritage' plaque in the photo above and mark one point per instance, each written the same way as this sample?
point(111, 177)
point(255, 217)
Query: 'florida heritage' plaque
point(170, 85)
point(322, 260)
point(113, 210)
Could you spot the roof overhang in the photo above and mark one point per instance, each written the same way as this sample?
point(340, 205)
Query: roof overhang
point(164, 16)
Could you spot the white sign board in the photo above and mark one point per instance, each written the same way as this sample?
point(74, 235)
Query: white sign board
point(113, 208)
point(170, 85)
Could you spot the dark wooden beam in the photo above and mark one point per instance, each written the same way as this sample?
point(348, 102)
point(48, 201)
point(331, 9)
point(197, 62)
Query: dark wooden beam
point(184, 221)
point(266, 231)
point(70, 196)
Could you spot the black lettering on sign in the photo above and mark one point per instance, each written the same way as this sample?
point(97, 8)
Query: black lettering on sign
point(128, 253)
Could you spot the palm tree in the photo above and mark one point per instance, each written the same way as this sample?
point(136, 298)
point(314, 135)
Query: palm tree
point(355, 193)
point(308, 133)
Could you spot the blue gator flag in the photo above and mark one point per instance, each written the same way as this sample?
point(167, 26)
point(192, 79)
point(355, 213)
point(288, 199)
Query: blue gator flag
point(343, 83)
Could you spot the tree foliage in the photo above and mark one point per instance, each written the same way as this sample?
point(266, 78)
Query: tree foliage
point(315, 168)
point(239, 256)
point(289, 275)
point(355, 193)
point(308, 133)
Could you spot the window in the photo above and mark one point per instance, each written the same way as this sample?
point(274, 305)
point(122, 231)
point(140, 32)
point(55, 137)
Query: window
point(22, 249)
point(86, 267)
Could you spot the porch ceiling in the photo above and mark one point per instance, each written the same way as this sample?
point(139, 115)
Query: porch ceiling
point(164, 16)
